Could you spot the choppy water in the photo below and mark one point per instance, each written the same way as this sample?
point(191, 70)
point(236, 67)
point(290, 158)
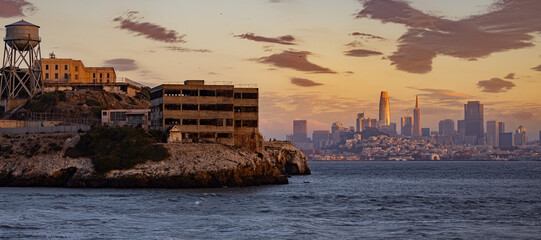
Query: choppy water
point(340, 200)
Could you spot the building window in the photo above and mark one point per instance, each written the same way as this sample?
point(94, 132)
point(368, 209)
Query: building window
point(172, 92)
point(229, 122)
point(189, 121)
point(76, 68)
point(46, 76)
point(225, 135)
point(56, 76)
point(118, 116)
point(76, 77)
point(172, 106)
point(224, 107)
point(249, 123)
point(192, 93)
point(207, 93)
point(207, 107)
point(47, 67)
point(224, 93)
point(249, 95)
point(107, 75)
point(66, 76)
point(104, 113)
point(238, 95)
point(192, 107)
point(101, 75)
point(93, 75)
point(65, 67)
point(249, 109)
point(56, 67)
point(172, 121)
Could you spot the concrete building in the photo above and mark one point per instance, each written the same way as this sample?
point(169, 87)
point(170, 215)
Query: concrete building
point(321, 139)
point(416, 128)
point(336, 129)
point(447, 127)
point(71, 74)
point(215, 113)
point(493, 134)
point(506, 140)
point(474, 123)
point(520, 136)
point(67, 70)
point(126, 117)
point(384, 110)
point(406, 124)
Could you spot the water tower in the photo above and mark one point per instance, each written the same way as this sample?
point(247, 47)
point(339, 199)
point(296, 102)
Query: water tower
point(21, 69)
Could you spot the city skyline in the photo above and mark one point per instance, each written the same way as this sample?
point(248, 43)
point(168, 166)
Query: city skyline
point(348, 53)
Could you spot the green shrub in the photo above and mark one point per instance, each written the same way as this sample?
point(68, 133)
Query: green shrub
point(92, 103)
point(159, 136)
point(118, 97)
point(45, 101)
point(97, 111)
point(117, 148)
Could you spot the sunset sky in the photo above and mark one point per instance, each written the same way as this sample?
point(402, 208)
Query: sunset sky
point(319, 60)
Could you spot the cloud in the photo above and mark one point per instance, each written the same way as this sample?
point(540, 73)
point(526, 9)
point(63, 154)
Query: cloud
point(183, 49)
point(538, 68)
point(361, 53)
point(132, 23)
point(15, 8)
point(354, 44)
point(442, 97)
point(510, 76)
point(284, 40)
point(302, 82)
point(495, 85)
point(122, 64)
point(295, 60)
point(509, 26)
point(366, 35)
point(522, 115)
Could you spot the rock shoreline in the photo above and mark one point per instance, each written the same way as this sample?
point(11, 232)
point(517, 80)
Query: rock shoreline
point(194, 165)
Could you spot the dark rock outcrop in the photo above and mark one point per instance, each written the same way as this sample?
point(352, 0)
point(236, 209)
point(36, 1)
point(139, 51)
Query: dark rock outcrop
point(288, 159)
point(189, 166)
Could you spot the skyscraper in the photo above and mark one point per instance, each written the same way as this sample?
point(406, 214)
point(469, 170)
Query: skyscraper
point(384, 110)
point(473, 117)
point(447, 127)
point(406, 123)
point(416, 129)
point(501, 127)
point(493, 134)
point(506, 139)
point(336, 129)
point(520, 136)
point(539, 137)
point(299, 131)
point(360, 118)
point(321, 138)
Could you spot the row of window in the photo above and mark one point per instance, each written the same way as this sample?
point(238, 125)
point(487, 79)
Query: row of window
point(211, 122)
point(210, 107)
point(65, 67)
point(202, 93)
point(206, 135)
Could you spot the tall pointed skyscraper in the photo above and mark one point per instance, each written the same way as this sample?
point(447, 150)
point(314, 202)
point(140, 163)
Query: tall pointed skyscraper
point(384, 110)
point(416, 130)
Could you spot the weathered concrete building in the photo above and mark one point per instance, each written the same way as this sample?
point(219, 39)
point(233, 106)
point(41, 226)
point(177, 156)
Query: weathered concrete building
point(126, 117)
point(213, 113)
point(71, 74)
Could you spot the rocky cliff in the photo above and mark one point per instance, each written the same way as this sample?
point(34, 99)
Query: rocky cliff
point(38, 160)
point(288, 159)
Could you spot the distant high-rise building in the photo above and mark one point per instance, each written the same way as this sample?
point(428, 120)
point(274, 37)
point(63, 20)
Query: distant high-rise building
point(520, 136)
point(447, 127)
point(321, 138)
point(539, 137)
point(406, 123)
point(461, 127)
point(493, 134)
point(336, 129)
point(359, 121)
point(416, 129)
point(473, 117)
point(300, 132)
point(373, 123)
point(425, 132)
point(506, 139)
point(501, 127)
point(384, 110)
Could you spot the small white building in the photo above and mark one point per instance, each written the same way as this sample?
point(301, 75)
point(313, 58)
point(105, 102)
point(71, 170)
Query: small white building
point(175, 135)
point(126, 117)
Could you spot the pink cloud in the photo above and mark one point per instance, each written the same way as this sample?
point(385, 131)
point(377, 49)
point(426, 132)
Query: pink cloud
point(15, 8)
point(153, 31)
point(297, 60)
point(284, 40)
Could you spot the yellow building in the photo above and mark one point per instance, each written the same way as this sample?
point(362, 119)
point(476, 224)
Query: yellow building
point(70, 71)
